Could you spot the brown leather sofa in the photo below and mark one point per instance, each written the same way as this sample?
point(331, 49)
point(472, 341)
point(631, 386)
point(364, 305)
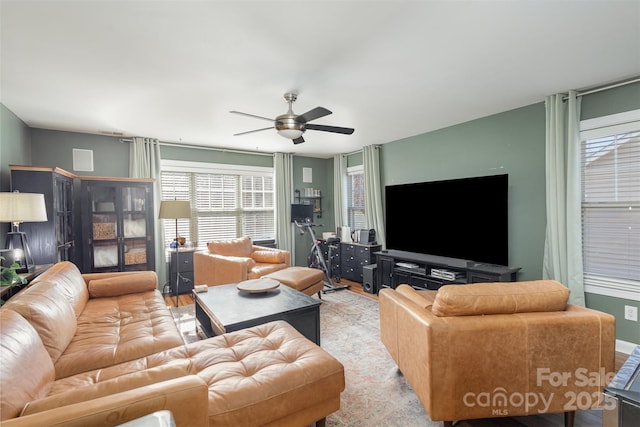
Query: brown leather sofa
point(498, 349)
point(103, 349)
point(236, 260)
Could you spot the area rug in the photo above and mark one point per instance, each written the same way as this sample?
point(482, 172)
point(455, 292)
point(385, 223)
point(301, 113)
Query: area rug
point(376, 394)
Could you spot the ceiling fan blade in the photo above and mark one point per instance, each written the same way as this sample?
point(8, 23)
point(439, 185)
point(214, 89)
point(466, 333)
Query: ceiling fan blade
point(251, 115)
point(252, 131)
point(316, 113)
point(334, 129)
point(298, 140)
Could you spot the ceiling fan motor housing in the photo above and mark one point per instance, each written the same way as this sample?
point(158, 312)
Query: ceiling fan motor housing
point(288, 122)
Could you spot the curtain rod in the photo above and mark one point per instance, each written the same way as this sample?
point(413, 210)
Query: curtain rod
point(202, 147)
point(360, 150)
point(603, 88)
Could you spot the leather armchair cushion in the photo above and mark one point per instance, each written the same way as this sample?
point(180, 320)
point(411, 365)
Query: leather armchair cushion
point(240, 247)
point(123, 284)
point(50, 314)
point(500, 298)
point(271, 257)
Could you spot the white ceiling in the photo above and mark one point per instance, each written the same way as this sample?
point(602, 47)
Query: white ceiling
point(173, 70)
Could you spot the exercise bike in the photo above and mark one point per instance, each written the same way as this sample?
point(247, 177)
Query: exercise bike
point(315, 259)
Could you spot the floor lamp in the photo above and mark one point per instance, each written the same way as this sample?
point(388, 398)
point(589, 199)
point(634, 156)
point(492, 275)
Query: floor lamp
point(175, 209)
point(15, 208)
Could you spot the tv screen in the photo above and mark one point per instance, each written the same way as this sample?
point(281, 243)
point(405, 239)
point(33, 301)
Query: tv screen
point(460, 218)
point(301, 213)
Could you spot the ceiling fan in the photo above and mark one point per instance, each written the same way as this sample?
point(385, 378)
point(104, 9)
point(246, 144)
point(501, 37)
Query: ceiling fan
point(292, 126)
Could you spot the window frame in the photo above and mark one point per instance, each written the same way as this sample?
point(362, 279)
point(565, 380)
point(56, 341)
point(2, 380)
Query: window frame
point(598, 128)
point(193, 168)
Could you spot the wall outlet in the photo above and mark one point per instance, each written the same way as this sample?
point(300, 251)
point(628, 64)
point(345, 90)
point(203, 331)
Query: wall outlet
point(631, 312)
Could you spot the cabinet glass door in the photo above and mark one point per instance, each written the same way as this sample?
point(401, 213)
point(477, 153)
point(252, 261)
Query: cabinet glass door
point(104, 231)
point(134, 227)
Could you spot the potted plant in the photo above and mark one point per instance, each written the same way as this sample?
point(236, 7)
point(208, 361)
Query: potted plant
point(8, 275)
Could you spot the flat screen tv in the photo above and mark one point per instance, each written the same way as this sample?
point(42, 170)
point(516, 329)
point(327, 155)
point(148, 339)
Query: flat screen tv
point(301, 212)
point(463, 218)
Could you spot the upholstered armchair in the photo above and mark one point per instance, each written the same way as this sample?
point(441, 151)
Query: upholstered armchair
point(498, 349)
point(236, 260)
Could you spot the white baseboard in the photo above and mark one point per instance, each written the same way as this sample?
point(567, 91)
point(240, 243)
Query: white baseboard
point(625, 346)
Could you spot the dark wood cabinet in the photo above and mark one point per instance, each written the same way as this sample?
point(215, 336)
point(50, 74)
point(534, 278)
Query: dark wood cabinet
point(431, 272)
point(117, 224)
point(181, 271)
point(353, 257)
point(54, 240)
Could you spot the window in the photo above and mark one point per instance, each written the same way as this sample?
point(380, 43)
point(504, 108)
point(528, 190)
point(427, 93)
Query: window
point(355, 198)
point(610, 154)
point(226, 201)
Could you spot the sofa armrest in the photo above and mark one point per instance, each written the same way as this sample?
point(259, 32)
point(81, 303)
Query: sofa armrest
point(185, 397)
point(212, 269)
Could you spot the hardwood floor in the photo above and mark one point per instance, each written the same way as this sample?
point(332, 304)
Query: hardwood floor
point(591, 418)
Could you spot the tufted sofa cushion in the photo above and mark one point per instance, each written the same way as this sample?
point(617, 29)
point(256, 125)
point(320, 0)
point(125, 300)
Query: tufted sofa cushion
point(500, 298)
point(240, 247)
point(116, 329)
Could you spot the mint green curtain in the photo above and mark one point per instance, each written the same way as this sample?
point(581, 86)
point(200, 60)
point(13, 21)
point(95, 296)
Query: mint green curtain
point(144, 162)
point(563, 240)
point(283, 163)
point(339, 183)
point(373, 191)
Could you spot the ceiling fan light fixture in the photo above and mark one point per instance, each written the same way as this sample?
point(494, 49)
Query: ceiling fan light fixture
point(290, 133)
point(288, 127)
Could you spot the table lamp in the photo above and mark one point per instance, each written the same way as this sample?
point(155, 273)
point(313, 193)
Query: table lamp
point(175, 209)
point(15, 208)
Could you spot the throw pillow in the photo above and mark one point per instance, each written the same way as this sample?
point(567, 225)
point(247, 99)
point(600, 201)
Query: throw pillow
point(123, 284)
point(270, 257)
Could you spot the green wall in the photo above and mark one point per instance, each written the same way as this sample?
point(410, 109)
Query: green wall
point(15, 145)
point(511, 142)
point(55, 148)
point(322, 179)
point(15, 149)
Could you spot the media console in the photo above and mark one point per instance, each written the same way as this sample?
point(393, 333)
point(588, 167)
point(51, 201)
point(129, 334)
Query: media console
point(423, 271)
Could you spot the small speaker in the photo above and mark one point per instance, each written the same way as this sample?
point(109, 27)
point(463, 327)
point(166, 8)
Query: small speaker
point(369, 278)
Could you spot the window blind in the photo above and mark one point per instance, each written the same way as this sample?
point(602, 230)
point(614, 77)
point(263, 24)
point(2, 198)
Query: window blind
point(611, 209)
point(225, 204)
point(355, 199)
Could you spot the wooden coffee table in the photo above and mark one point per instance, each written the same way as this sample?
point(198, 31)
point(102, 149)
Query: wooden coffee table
point(225, 309)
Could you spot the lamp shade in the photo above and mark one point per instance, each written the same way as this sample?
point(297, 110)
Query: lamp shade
point(174, 209)
point(18, 207)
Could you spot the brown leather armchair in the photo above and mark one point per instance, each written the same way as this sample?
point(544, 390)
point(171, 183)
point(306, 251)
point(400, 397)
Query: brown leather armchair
point(236, 260)
point(498, 349)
